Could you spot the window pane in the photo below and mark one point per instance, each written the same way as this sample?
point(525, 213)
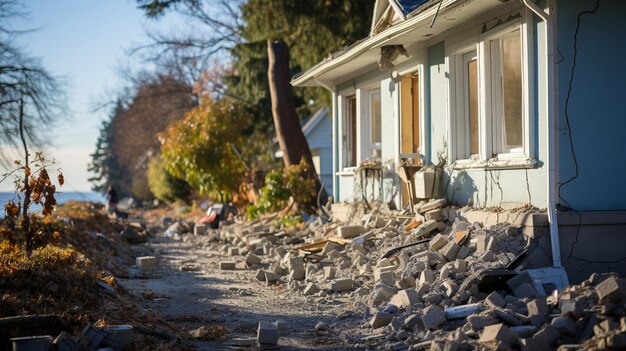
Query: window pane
point(351, 127)
point(375, 109)
point(472, 102)
point(512, 91)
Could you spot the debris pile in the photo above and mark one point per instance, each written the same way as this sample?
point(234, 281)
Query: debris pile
point(431, 281)
point(69, 283)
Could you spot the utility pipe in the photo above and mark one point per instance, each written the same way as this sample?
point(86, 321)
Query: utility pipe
point(551, 158)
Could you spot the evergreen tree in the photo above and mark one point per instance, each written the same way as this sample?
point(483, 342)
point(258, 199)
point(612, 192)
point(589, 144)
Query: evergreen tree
point(104, 166)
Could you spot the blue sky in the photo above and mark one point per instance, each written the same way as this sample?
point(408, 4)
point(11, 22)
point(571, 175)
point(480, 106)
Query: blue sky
point(84, 41)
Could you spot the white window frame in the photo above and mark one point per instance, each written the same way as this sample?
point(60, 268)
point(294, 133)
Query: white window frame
point(370, 99)
point(345, 131)
point(488, 117)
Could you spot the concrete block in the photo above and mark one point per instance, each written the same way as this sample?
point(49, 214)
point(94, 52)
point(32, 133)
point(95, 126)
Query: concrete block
point(253, 259)
point(385, 276)
point(341, 211)
point(436, 215)
point(425, 228)
point(329, 272)
point(525, 290)
point(380, 319)
point(331, 246)
point(450, 287)
point(460, 265)
point(342, 284)
point(296, 268)
point(438, 242)
point(507, 317)
point(493, 335)
point(200, 229)
point(427, 276)
point(397, 324)
point(233, 251)
point(464, 251)
point(494, 300)
point(432, 205)
point(267, 333)
point(611, 289)
point(310, 289)
point(537, 312)
point(478, 322)
point(433, 317)
point(405, 298)
point(227, 265)
point(413, 322)
point(450, 251)
point(349, 232)
point(564, 325)
point(573, 308)
point(146, 263)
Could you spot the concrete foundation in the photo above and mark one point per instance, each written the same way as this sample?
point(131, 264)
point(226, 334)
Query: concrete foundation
point(591, 242)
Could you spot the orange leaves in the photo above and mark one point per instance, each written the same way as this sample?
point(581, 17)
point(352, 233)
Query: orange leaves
point(12, 209)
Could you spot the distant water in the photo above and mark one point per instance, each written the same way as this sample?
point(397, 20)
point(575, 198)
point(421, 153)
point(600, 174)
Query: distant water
point(61, 197)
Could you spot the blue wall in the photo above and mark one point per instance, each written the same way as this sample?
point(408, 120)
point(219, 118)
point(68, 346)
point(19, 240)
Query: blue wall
point(596, 108)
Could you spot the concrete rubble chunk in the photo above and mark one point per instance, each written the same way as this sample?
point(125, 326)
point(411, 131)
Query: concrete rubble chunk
point(331, 246)
point(564, 325)
point(438, 242)
point(433, 317)
point(432, 205)
point(611, 289)
point(267, 333)
point(349, 232)
point(253, 259)
point(310, 289)
point(385, 275)
point(233, 251)
point(342, 284)
point(494, 300)
point(427, 276)
point(450, 287)
point(380, 319)
point(329, 272)
point(493, 336)
point(227, 265)
point(146, 263)
point(436, 215)
point(405, 298)
point(450, 251)
point(426, 228)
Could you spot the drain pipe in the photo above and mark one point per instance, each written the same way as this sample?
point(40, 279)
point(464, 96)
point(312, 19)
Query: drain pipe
point(551, 158)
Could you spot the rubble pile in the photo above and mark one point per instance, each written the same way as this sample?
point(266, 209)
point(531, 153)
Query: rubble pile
point(429, 281)
point(69, 283)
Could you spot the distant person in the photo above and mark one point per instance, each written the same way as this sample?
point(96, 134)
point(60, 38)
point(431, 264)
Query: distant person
point(112, 200)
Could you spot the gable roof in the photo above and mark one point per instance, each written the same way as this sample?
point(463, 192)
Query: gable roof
point(313, 120)
point(407, 6)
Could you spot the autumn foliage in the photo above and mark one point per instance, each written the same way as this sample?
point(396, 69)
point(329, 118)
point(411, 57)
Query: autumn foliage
point(202, 147)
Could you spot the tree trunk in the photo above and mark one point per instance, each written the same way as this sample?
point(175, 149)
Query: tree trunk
point(288, 131)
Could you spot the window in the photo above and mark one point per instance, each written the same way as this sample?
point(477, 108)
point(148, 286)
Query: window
point(507, 111)
point(409, 117)
point(470, 97)
point(489, 93)
point(375, 120)
point(349, 132)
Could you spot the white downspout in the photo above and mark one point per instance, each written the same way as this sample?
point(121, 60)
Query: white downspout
point(551, 158)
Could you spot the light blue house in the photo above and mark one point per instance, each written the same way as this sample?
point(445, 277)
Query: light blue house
point(520, 101)
point(317, 130)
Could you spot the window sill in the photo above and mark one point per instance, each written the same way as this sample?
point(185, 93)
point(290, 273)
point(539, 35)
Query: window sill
point(496, 164)
point(347, 171)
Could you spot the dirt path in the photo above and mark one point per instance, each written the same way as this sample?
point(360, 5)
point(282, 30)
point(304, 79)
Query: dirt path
point(235, 299)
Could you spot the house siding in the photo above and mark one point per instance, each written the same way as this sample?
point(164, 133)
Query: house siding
point(596, 104)
point(319, 139)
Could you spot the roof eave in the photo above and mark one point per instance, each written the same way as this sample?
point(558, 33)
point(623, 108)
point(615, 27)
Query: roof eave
point(308, 78)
